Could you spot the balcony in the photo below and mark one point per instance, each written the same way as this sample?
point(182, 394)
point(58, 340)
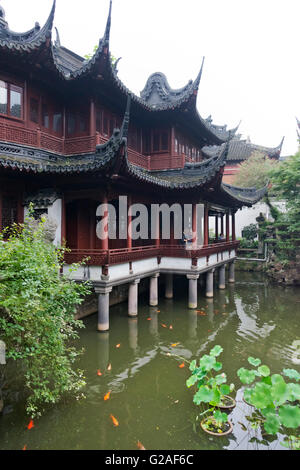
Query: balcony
point(123, 255)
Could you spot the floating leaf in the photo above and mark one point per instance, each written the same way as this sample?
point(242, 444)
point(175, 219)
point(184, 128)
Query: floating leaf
point(247, 394)
point(289, 416)
point(216, 351)
point(254, 362)
point(264, 371)
point(279, 389)
point(246, 376)
point(293, 392)
point(272, 424)
point(261, 396)
point(193, 365)
point(291, 374)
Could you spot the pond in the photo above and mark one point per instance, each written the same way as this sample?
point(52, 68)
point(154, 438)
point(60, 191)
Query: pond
point(148, 396)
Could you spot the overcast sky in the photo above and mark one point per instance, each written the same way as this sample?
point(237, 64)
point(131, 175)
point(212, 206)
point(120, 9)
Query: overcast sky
point(251, 49)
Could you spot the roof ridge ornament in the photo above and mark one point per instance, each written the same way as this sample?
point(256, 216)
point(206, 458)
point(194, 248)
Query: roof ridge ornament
point(3, 23)
point(199, 76)
point(57, 42)
point(108, 24)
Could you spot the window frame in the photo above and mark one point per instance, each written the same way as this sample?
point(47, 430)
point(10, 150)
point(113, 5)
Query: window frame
point(11, 83)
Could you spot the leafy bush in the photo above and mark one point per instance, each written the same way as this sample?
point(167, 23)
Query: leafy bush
point(37, 307)
point(273, 398)
point(211, 388)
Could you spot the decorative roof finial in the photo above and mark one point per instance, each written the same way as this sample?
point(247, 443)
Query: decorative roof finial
point(108, 24)
point(198, 79)
point(57, 41)
point(3, 23)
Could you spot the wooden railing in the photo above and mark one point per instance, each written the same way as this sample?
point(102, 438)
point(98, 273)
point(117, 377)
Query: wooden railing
point(79, 145)
point(37, 138)
point(122, 255)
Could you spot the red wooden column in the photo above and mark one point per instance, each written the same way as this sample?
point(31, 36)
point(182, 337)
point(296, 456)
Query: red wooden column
point(233, 226)
point(104, 239)
point(217, 228)
point(92, 118)
point(222, 224)
point(206, 228)
point(227, 226)
point(129, 220)
point(194, 224)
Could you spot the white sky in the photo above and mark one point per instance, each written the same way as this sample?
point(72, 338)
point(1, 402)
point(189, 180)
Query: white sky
point(251, 49)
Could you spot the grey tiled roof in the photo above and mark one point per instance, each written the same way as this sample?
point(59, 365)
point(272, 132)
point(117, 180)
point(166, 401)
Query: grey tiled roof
point(29, 40)
point(242, 150)
point(248, 196)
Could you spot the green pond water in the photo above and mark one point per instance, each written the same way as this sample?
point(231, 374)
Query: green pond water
point(149, 397)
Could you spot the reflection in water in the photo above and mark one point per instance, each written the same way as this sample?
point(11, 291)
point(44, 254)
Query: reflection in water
point(148, 392)
point(192, 324)
point(102, 344)
point(133, 333)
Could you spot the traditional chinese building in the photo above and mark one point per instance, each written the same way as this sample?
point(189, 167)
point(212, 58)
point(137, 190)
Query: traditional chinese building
point(73, 136)
point(239, 151)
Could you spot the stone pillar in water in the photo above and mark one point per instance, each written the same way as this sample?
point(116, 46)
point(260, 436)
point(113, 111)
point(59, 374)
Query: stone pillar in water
point(169, 286)
point(103, 308)
point(210, 283)
point(193, 290)
point(154, 290)
point(133, 298)
point(231, 277)
point(222, 284)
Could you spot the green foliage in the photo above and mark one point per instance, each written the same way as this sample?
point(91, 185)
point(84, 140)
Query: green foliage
point(255, 171)
point(272, 397)
point(250, 232)
point(89, 56)
point(211, 387)
point(285, 229)
point(37, 307)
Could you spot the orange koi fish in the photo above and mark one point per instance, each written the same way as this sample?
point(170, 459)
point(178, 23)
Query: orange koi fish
point(118, 346)
point(25, 447)
point(181, 366)
point(107, 396)
point(109, 367)
point(140, 446)
point(99, 372)
point(163, 325)
point(158, 311)
point(114, 420)
point(149, 319)
point(174, 345)
point(171, 327)
point(30, 425)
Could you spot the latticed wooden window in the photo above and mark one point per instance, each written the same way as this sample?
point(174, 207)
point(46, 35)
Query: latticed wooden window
point(9, 211)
